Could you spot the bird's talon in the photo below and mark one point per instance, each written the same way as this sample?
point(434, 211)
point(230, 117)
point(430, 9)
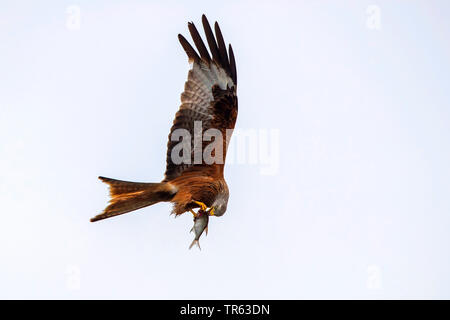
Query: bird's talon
point(193, 213)
point(201, 204)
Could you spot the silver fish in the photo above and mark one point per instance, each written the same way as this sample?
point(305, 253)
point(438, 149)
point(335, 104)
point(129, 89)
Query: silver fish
point(200, 225)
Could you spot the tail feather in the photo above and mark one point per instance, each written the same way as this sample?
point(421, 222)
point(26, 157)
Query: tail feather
point(129, 196)
point(117, 187)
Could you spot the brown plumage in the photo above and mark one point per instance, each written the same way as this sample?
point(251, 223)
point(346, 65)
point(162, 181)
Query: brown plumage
point(210, 97)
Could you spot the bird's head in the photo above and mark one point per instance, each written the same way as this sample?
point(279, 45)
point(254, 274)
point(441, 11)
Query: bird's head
point(219, 205)
point(218, 210)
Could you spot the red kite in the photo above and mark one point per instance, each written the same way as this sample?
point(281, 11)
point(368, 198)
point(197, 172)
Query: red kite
point(209, 98)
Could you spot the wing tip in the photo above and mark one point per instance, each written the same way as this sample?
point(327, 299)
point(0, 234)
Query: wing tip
point(199, 44)
point(216, 44)
point(232, 64)
point(191, 53)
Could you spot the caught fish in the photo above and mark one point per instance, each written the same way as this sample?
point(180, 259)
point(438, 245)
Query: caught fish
point(200, 225)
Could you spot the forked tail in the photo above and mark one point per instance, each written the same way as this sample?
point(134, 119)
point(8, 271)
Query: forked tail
point(195, 242)
point(129, 196)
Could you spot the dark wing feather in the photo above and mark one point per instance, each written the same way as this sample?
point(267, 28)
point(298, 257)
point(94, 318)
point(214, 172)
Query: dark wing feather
point(211, 40)
point(209, 96)
point(222, 48)
point(232, 65)
point(191, 53)
point(199, 42)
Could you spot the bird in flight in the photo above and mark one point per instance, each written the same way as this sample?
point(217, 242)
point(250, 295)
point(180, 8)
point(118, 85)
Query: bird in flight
point(198, 139)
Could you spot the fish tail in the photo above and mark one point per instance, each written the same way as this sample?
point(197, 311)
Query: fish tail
point(195, 242)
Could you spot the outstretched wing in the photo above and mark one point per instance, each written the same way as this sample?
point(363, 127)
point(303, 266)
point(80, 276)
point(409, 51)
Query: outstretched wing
point(209, 101)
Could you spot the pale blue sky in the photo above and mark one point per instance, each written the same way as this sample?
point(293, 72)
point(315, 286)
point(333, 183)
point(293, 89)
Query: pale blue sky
point(359, 207)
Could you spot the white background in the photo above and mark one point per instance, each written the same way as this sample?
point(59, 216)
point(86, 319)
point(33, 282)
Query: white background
point(358, 208)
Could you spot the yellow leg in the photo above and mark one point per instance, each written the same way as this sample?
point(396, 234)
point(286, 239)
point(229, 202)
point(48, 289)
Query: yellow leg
point(201, 204)
point(211, 212)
